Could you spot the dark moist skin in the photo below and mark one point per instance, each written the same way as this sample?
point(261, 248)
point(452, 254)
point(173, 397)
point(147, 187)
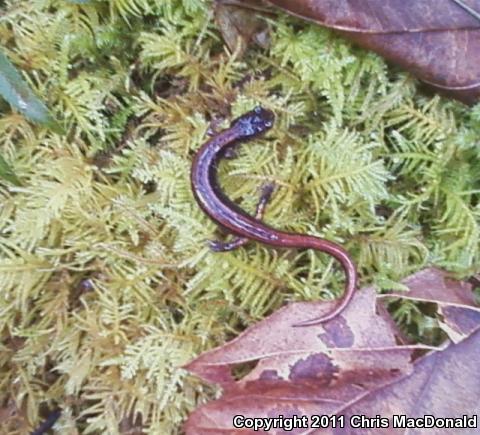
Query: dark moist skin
point(228, 215)
point(48, 423)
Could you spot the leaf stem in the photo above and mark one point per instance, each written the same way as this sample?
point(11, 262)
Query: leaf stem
point(467, 8)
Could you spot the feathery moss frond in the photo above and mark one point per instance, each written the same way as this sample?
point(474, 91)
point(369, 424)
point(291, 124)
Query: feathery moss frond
point(341, 168)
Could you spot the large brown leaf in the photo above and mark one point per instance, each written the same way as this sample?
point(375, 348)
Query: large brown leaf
point(437, 40)
point(443, 384)
point(349, 365)
point(455, 300)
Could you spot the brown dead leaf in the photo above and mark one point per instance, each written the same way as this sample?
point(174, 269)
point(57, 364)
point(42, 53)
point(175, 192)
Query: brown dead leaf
point(275, 343)
point(436, 285)
point(437, 40)
point(349, 365)
point(458, 323)
point(239, 26)
point(443, 384)
point(455, 300)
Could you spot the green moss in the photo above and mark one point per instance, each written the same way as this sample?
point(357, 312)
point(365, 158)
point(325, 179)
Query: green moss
point(107, 285)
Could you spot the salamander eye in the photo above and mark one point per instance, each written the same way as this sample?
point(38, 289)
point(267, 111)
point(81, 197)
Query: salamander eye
point(268, 123)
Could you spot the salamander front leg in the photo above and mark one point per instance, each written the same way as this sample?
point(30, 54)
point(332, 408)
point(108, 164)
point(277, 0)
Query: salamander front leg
point(236, 242)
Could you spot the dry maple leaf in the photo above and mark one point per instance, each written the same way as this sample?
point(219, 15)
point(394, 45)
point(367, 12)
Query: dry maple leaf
point(456, 303)
point(349, 365)
point(443, 384)
point(437, 40)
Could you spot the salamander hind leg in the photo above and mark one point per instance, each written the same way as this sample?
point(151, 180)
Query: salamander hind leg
point(219, 246)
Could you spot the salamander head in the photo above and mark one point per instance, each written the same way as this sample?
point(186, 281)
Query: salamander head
point(254, 123)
